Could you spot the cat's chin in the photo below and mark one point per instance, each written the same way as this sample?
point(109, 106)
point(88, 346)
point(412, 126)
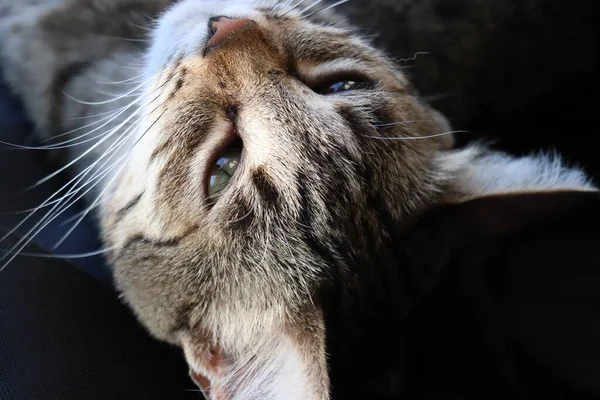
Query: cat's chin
point(287, 364)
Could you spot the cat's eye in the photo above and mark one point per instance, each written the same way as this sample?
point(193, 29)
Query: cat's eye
point(223, 169)
point(343, 86)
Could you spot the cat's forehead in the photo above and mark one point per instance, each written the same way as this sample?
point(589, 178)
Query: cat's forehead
point(183, 30)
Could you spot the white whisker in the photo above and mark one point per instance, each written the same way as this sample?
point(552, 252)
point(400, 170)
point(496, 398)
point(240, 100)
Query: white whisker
point(141, 27)
point(53, 213)
point(311, 6)
point(88, 151)
point(89, 116)
point(403, 122)
point(112, 116)
point(151, 19)
point(109, 117)
point(98, 176)
point(74, 217)
point(107, 136)
point(48, 218)
point(127, 39)
point(30, 210)
point(67, 256)
point(98, 103)
point(435, 97)
point(132, 67)
point(123, 81)
point(74, 141)
point(46, 202)
point(294, 7)
point(326, 8)
point(416, 137)
point(110, 94)
point(98, 179)
point(107, 186)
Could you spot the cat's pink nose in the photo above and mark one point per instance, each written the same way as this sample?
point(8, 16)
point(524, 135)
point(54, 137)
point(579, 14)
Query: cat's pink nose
point(223, 27)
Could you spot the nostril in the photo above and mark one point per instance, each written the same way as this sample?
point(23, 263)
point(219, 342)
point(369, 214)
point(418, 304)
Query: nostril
point(212, 28)
point(215, 19)
point(221, 27)
point(211, 24)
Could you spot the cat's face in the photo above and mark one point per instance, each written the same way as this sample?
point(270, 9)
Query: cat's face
point(242, 271)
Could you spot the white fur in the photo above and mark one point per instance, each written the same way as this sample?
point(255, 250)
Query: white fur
point(273, 371)
point(479, 171)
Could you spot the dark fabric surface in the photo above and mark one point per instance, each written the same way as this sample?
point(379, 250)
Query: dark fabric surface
point(521, 321)
point(65, 336)
point(63, 333)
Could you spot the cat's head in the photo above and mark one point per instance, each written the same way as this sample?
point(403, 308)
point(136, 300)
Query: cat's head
point(245, 267)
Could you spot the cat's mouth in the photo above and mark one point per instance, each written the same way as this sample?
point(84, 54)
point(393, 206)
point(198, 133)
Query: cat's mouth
point(223, 166)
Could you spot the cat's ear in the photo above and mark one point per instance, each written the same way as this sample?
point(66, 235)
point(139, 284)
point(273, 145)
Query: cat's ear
point(476, 228)
point(289, 364)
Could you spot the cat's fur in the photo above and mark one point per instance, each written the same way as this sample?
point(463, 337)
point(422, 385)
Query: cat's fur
point(307, 231)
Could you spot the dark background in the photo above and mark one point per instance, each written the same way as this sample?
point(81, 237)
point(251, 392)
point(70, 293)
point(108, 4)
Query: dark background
point(520, 73)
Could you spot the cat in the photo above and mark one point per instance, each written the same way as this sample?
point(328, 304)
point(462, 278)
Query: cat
point(279, 268)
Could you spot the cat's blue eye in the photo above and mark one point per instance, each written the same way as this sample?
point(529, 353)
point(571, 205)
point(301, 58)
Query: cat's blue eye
point(343, 86)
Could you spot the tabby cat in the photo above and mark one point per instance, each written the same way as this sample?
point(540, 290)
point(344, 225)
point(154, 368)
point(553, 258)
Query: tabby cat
point(255, 167)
